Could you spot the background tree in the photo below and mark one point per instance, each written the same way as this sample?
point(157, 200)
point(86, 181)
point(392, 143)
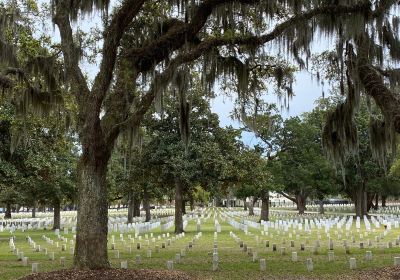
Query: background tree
point(302, 170)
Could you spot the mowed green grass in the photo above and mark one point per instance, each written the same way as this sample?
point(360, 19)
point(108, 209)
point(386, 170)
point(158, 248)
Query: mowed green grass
point(233, 264)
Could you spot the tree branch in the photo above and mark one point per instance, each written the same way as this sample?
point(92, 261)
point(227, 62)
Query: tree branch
point(280, 28)
point(382, 7)
point(70, 51)
point(287, 196)
point(387, 101)
point(112, 38)
point(159, 50)
point(145, 58)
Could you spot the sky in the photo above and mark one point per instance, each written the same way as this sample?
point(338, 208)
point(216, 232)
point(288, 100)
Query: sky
point(306, 93)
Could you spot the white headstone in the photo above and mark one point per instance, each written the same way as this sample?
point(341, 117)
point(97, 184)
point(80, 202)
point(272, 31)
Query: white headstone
point(170, 265)
point(310, 265)
point(353, 263)
point(263, 266)
point(124, 264)
point(35, 267)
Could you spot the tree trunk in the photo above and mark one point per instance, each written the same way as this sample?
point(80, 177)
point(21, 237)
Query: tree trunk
point(56, 213)
point(376, 206)
point(34, 209)
point(245, 205)
point(7, 215)
point(218, 202)
point(251, 207)
point(191, 203)
point(183, 206)
point(370, 201)
point(365, 203)
point(360, 201)
point(321, 207)
point(131, 207)
point(136, 203)
point(178, 206)
point(265, 208)
point(146, 205)
point(92, 219)
point(301, 204)
point(384, 197)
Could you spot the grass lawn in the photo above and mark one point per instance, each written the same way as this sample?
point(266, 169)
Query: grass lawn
point(233, 262)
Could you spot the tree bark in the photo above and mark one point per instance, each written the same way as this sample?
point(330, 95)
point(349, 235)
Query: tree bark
point(251, 207)
point(245, 205)
point(183, 206)
point(191, 203)
point(131, 207)
point(301, 203)
point(146, 204)
point(92, 219)
point(56, 213)
point(34, 209)
point(136, 205)
point(265, 208)
point(360, 201)
point(178, 206)
point(7, 215)
point(321, 207)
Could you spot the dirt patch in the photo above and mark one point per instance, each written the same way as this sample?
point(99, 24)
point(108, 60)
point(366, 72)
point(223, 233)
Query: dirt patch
point(389, 273)
point(109, 274)
point(386, 273)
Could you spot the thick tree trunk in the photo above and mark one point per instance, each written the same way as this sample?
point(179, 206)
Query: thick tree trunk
point(265, 208)
point(7, 215)
point(360, 201)
point(384, 197)
point(178, 206)
point(321, 207)
point(146, 205)
point(301, 204)
point(131, 207)
point(56, 213)
point(245, 205)
point(92, 219)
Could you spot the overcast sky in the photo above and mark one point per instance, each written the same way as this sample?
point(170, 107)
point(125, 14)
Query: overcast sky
point(306, 93)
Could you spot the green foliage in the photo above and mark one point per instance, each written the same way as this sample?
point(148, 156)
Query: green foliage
point(42, 167)
point(301, 168)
